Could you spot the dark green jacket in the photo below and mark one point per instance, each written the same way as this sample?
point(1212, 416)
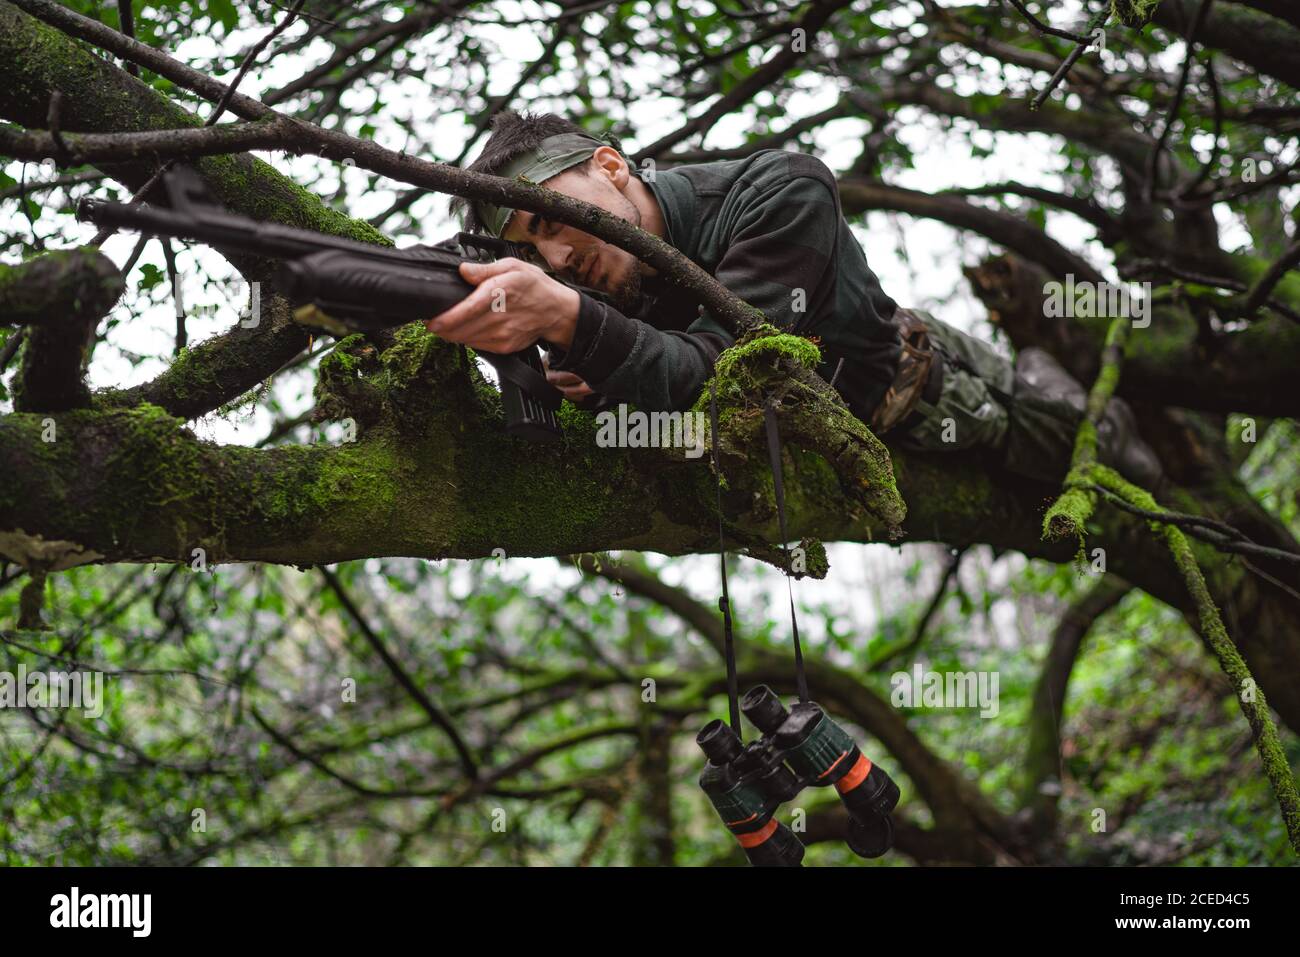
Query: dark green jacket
point(769, 227)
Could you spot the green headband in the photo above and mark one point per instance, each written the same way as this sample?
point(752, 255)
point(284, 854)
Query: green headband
point(551, 157)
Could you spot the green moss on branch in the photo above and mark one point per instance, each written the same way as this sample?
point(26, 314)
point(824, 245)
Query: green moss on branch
point(1248, 694)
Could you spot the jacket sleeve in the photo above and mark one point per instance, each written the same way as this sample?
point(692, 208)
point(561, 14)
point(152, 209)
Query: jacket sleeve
point(778, 259)
point(628, 360)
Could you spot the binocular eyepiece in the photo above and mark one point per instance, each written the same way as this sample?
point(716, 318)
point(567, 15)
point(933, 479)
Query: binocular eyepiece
point(799, 747)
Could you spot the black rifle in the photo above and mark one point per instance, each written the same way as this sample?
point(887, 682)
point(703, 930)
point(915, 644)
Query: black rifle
point(343, 286)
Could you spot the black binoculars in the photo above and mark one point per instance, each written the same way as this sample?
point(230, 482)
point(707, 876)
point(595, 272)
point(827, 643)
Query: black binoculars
point(799, 748)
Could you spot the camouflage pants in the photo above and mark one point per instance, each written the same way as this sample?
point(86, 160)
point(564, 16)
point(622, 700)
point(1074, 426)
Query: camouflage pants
point(967, 412)
point(1033, 435)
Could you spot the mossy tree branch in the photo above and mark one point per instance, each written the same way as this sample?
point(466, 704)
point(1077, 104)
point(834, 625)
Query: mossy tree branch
point(1248, 694)
point(1068, 517)
point(60, 296)
point(1069, 514)
point(442, 481)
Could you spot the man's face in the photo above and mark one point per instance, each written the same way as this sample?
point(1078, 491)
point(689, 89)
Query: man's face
point(577, 256)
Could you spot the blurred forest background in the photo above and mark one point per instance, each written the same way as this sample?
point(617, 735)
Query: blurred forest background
point(274, 715)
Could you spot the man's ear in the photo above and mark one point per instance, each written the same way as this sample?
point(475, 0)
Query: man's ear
point(608, 163)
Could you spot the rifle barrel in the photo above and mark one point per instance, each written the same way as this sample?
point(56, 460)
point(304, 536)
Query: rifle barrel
point(215, 227)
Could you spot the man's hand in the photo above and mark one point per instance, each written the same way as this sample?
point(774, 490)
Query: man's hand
point(570, 385)
point(515, 304)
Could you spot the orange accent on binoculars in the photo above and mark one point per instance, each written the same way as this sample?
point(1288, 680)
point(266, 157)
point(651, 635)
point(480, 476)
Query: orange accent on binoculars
point(757, 837)
point(857, 774)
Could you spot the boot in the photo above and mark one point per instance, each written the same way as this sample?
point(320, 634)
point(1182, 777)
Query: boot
point(1043, 387)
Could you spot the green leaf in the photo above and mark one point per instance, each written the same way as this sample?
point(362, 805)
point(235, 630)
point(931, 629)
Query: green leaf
point(151, 277)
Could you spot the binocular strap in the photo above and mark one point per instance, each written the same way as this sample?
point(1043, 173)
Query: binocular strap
point(724, 603)
point(774, 454)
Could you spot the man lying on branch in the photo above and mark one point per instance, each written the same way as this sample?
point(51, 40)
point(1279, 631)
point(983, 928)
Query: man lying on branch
point(770, 229)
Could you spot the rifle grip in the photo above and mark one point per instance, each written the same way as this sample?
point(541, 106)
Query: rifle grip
point(530, 401)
